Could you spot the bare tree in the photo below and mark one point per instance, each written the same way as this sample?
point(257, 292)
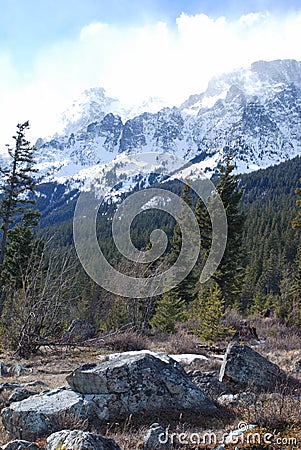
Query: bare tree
point(40, 306)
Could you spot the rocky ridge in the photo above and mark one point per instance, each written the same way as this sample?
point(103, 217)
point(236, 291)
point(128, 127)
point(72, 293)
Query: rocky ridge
point(255, 113)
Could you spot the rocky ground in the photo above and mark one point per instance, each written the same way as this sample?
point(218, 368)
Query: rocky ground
point(255, 384)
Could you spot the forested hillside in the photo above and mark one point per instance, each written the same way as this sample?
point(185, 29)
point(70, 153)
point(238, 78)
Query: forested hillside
point(269, 244)
point(260, 269)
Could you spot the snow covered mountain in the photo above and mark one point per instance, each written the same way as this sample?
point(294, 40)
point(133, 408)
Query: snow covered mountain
point(255, 113)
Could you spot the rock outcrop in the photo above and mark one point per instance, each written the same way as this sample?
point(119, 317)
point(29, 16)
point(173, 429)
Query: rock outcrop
point(246, 368)
point(141, 383)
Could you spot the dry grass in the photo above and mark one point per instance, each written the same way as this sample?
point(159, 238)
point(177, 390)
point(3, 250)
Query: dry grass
point(177, 343)
point(126, 341)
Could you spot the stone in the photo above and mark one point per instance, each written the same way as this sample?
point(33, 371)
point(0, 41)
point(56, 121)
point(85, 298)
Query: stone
point(15, 370)
point(235, 400)
point(42, 414)
point(3, 369)
point(20, 394)
point(79, 440)
point(20, 445)
point(297, 366)
point(244, 367)
point(156, 438)
point(141, 384)
point(11, 386)
point(138, 384)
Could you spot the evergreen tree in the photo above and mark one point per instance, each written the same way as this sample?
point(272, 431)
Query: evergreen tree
point(229, 273)
point(170, 309)
point(296, 223)
point(16, 212)
point(187, 288)
point(294, 315)
point(207, 312)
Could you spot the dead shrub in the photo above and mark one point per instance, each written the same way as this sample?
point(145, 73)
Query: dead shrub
point(178, 343)
point(276, 334)
point(233, 319)
point(126, 341)
point(279, 410)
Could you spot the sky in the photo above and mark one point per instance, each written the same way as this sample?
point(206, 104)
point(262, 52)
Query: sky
point(52, 50)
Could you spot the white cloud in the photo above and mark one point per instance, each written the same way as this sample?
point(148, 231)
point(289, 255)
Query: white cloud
point(133, 63)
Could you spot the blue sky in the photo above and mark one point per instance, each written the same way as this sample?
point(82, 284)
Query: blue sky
point(26, 27)
point(51, 50)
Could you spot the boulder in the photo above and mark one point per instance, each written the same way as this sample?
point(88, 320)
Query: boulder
point(11, 386)
point(79, 440)
point(20, 445)
point(140, 383)
point(15, 392)
point(42, 414)
point(244, 367)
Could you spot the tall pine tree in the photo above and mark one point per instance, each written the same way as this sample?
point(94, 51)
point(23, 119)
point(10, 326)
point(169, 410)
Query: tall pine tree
point(186, 289)
point(229, 273)
point(16, 212)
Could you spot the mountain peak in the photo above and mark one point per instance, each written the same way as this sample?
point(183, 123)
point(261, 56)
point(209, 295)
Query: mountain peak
point(253, 112)
point(278, 71)
point(92, 105)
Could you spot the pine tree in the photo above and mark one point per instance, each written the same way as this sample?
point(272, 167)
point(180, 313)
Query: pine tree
point(229, 273)
point(186, 289)
point(16, 212)
point(296, 223)
point(170, 309)
point(207, 312)
point(294, 315)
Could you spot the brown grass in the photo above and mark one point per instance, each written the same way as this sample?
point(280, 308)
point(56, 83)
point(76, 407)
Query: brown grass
point(178, 343)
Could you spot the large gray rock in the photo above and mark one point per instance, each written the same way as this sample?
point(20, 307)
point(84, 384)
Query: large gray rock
point(246, 368)
point(79, 440)
point(140, 383)
point(42, 414)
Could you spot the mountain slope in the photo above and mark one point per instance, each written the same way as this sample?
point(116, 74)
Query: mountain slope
point(255, 113)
